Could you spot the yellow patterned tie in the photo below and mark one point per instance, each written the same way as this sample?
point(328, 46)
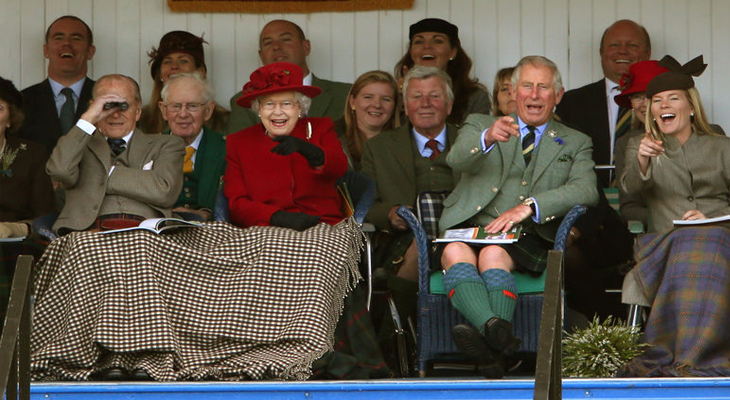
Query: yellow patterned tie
point(188, 163)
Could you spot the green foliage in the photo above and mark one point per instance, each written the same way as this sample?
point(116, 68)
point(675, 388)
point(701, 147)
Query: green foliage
point(599, 350)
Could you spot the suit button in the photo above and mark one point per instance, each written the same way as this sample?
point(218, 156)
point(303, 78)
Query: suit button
point(432, 168)
point(524, 183)
point(495, 190)
point(690, 198)
point(549, 218)
point(521, 198)
point(474, 150)
point(95, 207)
point(479, 208)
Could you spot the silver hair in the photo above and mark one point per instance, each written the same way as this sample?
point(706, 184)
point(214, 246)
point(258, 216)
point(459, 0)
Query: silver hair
point(204, 85)
point(421, 72)
point(304, 102)
point(539, 61)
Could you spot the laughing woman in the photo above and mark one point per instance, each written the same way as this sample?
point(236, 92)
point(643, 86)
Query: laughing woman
point(370, 109)
point(435, 43)
point(282, 172)
point(682, 168)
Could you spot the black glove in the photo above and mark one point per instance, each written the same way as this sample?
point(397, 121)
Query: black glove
point(290, 144)
point(294, 220)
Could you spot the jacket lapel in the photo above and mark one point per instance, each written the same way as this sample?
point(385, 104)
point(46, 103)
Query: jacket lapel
point(548, 149)
point(321, 102)
point(402, 151)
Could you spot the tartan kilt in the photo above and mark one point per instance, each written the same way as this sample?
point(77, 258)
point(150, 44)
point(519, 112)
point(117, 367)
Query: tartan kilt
point(211, 302)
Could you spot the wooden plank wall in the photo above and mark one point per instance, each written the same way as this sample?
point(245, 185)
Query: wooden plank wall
point(495, 33)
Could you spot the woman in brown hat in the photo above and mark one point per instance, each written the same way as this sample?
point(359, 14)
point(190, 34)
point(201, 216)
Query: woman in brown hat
point(178, 52)
point(682, 168)
point(282, 172)
point(434, 42)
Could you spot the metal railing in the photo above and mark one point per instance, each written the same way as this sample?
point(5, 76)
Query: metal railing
point(15, 340)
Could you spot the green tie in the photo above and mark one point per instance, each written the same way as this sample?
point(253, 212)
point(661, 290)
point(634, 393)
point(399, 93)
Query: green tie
point(68, 111)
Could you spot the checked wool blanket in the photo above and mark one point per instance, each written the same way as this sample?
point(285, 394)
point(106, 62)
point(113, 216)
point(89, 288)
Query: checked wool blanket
point(686, 274)
point(214, 302)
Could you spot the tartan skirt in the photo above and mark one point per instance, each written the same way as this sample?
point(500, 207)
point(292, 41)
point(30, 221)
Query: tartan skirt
point(199, 302)
point(686, 274)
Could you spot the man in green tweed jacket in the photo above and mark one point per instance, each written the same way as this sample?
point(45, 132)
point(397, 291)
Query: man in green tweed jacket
point(526, 169)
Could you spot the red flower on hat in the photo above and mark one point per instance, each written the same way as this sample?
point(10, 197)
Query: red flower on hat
point(625, 82)
point(260, 81)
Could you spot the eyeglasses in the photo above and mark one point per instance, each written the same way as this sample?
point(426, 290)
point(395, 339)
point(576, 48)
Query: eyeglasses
point(637, 98)
point(285, 105)
point(190, 107)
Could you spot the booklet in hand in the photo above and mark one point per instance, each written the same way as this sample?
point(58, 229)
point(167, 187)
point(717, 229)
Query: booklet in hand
point(158, 225)
point(480, 235)
point(701, 221)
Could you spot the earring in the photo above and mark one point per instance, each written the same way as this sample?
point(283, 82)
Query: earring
point(691, 114)
point(451, 58)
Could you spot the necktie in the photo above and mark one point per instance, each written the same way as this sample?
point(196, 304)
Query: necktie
point(117, 145)
point(528, 144)
point(68, 111)
point(434, 146)
point(188, 162)
point(623, 122)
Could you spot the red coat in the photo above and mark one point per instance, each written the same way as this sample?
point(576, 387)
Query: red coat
point(259, 183)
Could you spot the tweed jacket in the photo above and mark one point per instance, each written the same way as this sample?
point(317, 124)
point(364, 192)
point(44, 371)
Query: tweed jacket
point(148, 175)
point(41, 124)
point(388, 160)
point(563, 174)
point(695, 176)
point(329, 103)
point(25, 188)
point(259, 183)
point(210, 165)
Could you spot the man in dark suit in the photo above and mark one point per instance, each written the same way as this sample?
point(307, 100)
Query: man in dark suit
point(113, 173)
point(525, 169)
point(283, 40)
point(54, 105)
point(602, 240)
point(403, 164)
point(187, 103)
point(591, 109)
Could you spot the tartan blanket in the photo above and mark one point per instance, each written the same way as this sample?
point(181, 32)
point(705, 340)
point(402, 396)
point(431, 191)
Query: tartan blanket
point(213, 302)
point(686, 272)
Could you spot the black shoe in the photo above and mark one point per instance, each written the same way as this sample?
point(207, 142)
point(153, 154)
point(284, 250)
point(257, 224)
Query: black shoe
point(472, 344)
point(111, 374)
point(499, 336)
point(140, 375)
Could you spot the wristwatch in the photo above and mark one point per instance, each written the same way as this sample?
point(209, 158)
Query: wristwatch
point(530, 203)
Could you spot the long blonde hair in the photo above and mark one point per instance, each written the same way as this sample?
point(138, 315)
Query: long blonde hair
point(355, 139)
point(699, 122)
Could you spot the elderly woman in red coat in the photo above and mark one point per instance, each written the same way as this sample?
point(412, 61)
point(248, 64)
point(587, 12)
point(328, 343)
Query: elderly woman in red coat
point(282, 172)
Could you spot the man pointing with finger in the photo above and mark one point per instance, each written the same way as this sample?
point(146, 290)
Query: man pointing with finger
point(525, 169)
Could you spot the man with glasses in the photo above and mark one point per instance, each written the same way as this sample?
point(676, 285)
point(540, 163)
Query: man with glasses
point(187, 103)
point(115, 175)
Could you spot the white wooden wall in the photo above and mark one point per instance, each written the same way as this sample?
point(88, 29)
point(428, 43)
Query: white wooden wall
point(495, 33)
